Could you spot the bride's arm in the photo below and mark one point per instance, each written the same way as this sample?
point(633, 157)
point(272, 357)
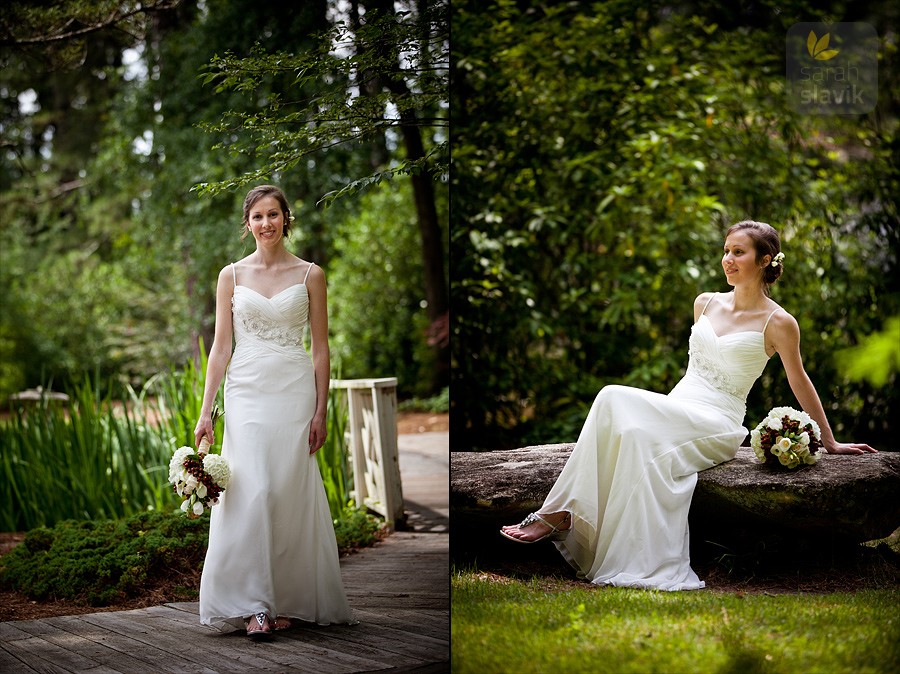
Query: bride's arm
point(219, 355)
point(783, 335)
point(321, 354)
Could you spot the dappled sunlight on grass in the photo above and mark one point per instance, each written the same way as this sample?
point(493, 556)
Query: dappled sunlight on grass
point(501, 624)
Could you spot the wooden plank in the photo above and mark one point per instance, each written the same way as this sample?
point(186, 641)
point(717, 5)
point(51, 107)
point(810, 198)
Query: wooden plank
point(157, 634)
point(435, 618)
point(374, 652)
point(393, 640)
point(42, 656)
point(123, 645)
point(89, 648)
point(148, 654)
point(378, 600)
point(412, 622)
point(320, 659)
point(9, 632)
point(406, 624)
point(186, 606)
point(435, 624)
point(10, 664)
point(232, 651)
point(430, 668)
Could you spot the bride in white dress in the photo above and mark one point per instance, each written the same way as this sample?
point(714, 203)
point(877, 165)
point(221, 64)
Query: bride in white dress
point(618, 512)
point(272, 551)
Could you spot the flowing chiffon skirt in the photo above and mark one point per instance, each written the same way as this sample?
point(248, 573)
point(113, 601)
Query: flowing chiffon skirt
point(630, 479)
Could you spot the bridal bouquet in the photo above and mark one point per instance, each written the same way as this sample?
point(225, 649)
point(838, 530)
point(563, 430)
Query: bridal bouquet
point(788, 437)
point(199, 478)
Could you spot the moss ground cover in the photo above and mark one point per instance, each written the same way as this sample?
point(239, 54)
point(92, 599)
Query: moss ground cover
point(503, 624)
point(101, 562)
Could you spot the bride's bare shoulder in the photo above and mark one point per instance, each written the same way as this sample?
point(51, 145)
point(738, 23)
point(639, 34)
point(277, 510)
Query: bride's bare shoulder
point(700, 303)
point(781, 319)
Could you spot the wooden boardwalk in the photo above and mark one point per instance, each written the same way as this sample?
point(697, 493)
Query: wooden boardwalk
point(399, 591)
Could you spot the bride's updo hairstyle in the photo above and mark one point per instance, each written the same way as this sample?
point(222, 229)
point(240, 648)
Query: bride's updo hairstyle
point(260, 192)
point(766, 242)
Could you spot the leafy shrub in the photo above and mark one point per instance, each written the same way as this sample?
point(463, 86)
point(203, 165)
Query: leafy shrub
point(356, 529)
point(104, 561)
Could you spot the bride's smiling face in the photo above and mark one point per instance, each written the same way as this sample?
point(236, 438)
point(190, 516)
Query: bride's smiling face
point(266, 220)
point(739, 260)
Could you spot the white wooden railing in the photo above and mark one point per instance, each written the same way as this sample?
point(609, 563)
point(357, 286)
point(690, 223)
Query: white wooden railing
point(372, 436)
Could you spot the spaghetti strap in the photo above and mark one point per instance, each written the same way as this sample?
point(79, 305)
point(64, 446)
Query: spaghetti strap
point(308, 269)
point(770, 318)
point(707, 303)
point(234, 278)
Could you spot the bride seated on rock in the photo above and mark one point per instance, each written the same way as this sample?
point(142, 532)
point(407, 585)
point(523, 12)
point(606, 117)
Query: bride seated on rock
point(618, 512)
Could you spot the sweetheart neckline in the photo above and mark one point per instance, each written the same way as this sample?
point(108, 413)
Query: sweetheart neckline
point(280, 292)
point(729, 334)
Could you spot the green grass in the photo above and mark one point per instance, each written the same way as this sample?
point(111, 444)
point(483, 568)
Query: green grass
point(538, 625)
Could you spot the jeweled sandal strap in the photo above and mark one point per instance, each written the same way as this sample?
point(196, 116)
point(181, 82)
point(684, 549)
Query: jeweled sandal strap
point(531, 519)
point(262, 618)
point(534, 517)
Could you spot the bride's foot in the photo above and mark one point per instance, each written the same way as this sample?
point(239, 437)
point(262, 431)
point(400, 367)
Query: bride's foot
point(259, 627)
point(534, 528)
point(282, 623)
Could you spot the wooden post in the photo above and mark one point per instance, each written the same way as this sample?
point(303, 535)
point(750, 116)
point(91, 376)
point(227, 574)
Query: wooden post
point(372, 405)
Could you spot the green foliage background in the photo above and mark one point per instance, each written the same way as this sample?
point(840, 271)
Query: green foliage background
point(108, 261)
point(600, 152)
point(377, 315)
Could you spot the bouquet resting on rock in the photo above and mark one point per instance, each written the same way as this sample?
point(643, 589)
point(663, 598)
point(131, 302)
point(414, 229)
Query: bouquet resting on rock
point(199, 478)
point(787, 438)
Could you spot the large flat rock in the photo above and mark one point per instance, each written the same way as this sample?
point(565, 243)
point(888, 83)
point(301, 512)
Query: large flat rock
point(851, 497)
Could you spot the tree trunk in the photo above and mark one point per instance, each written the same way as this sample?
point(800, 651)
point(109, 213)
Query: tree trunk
point(429, 226)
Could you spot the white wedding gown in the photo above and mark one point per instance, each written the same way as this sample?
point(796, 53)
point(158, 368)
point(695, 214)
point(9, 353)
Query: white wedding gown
point(630, 478)
point(272, 546)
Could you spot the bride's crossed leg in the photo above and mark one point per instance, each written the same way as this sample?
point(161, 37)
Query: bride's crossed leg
point(538, 526)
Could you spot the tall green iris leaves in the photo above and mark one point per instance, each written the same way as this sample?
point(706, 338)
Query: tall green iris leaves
point(96, 457)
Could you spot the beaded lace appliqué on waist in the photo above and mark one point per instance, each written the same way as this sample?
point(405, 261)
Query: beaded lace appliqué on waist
point(255, 323)
point(708, 369)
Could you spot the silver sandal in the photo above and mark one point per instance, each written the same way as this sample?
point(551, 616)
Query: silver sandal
point(265, 630)
point(555, 533)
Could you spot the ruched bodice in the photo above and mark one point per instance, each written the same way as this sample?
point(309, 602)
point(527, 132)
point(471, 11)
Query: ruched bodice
point(276, 322)
point(729, 363)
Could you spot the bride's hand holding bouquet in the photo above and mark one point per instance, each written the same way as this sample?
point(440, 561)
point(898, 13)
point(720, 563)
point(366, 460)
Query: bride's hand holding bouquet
point(199, 478)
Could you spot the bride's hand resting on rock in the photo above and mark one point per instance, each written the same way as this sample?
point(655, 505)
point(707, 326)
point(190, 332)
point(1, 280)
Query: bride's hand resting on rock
point(850, 448)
